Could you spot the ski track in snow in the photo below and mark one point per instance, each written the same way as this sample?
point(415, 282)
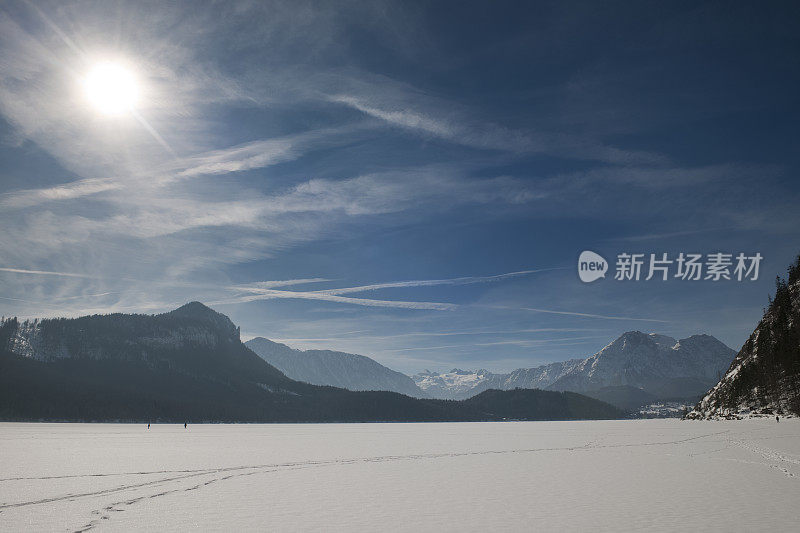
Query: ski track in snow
point(231, 472)
point(306, 464)
point(780, 461)
point(188, 480)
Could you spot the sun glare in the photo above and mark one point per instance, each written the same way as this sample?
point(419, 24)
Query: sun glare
point(111, 89)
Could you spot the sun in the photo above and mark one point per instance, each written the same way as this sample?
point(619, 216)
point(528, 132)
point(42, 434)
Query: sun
point(111, 88)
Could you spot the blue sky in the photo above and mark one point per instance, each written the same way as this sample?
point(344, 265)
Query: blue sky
point(411, 181)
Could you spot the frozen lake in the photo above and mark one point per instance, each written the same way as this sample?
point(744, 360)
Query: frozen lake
point(534, 476)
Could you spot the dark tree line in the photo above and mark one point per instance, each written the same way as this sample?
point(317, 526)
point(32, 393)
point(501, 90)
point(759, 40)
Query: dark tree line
point(773, 376)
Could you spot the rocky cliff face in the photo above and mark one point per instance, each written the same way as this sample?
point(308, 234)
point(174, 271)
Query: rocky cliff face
point(764, 377)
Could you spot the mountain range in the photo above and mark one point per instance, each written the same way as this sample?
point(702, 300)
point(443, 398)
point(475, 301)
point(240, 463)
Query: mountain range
point(458, 384)
point(632, 370)
point(190, 365)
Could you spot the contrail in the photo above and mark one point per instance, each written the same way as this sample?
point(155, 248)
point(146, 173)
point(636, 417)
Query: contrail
point(267, 294)
point(573, 313)
point(46, 273)
point(262, 287)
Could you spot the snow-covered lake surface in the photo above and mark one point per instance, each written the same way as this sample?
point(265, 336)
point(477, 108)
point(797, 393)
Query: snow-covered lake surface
point(665, 475)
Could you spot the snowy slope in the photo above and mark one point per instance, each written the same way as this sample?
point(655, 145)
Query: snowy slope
point(338, 369)
point(654, 363)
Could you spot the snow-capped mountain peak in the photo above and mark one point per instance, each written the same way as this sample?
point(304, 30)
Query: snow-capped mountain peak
point(647, 361)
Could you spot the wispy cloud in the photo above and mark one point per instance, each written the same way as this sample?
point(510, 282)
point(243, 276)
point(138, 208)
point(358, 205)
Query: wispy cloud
point(585, 315)
point(248, 156)
point(532, 343)
point(663, 236)
point(406, 118)
point(475, 332)
point(68, 191)
point(266, 152)
point(433, 282)
point(394, 108)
